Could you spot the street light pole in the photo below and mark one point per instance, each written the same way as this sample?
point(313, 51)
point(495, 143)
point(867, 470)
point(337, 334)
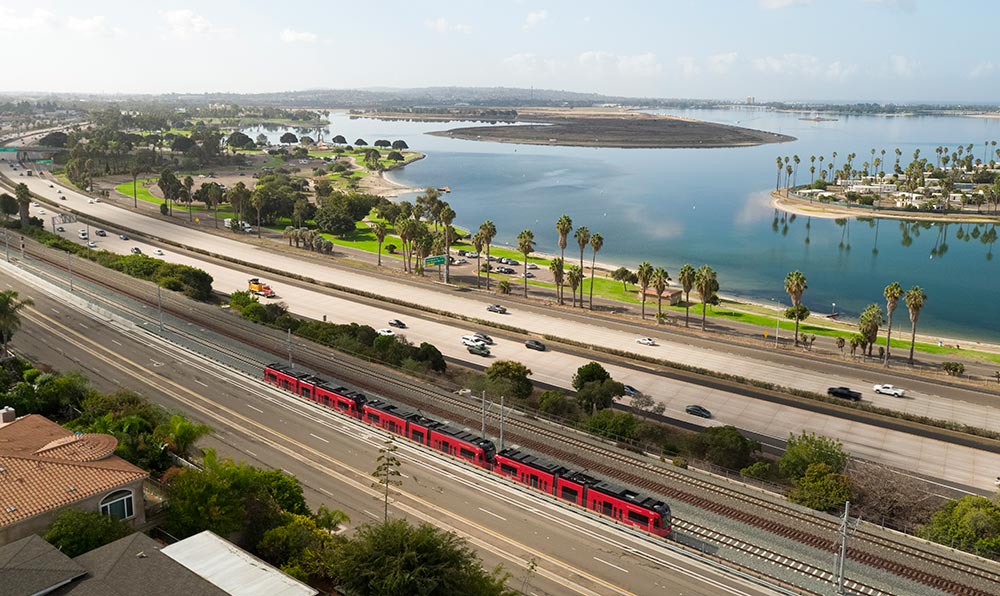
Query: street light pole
point(834, 314)
point(69, 267)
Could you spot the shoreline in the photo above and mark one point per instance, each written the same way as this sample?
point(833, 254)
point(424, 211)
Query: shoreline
point(821, 210)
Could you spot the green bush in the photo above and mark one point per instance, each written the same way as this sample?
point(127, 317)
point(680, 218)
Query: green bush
point(954, 369)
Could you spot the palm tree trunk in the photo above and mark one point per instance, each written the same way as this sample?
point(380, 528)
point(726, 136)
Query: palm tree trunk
point(703, 315)
point(796, 329)
point(687, 309)
point(479, 270)
point(913, 339)
point(593, 263)
point(888, 334)
point(659, 308)
point(380, 253)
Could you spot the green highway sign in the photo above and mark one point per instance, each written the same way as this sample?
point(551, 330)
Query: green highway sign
point(431, 261)
point(43, 161)
point(9, 149)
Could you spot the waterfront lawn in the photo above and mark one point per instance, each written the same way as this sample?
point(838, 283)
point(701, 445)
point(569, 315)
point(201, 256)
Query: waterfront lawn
point(142, 190)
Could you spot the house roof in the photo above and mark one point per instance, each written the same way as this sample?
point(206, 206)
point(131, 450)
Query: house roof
point(44, 466)
point(33, 566)
point(232, 568)
point(135, 564)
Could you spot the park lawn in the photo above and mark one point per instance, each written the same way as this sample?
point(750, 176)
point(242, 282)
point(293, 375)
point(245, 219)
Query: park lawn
point(142, 190)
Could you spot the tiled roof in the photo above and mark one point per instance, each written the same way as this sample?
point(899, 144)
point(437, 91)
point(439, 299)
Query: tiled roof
point(32, 566)
point(34, 479)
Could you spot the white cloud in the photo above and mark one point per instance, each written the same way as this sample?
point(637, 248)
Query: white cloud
point(899, 5)
point(983, 69)
point(291, 36)
point(838, 71)
point(804, 66)
point(534, 19)
point(21, 21)
point(93, 26)
point(605, 63)
point(185, 24)
point(689, 68)
point(722, 63)
point(530, 64)
point(441, 25)
point(777, 4)
point(902, 66)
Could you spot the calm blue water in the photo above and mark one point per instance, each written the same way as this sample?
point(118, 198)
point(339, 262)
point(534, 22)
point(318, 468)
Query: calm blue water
point(711, 206)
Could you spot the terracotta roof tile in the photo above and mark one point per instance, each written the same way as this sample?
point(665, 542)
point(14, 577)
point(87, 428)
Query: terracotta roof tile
point(33, 483)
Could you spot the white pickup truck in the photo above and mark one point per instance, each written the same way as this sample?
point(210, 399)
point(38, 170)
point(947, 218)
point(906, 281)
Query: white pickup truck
point(889, 390)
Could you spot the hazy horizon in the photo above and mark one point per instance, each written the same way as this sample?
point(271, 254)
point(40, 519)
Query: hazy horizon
point(883, 51)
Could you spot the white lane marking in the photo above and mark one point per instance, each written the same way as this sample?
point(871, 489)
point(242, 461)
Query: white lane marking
point(318, 437)
point(84, 326)
point(324, 491)
point(200, 383)
point(253, 408)
point(366, 512)
point(116, 342)
point(493, 514)
point(54, 311)
point(611, 564)
point(250, 453)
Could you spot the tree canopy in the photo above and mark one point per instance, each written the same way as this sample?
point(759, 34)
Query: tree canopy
point(510, 377)
point(807, 449)
point(75, 531)
point(592, 371)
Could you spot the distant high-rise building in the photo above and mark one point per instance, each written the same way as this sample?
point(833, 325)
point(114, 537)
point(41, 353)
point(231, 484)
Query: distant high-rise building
point(750, 100)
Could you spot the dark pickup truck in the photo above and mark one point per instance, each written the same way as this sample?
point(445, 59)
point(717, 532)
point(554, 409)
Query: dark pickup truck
point(844, 393)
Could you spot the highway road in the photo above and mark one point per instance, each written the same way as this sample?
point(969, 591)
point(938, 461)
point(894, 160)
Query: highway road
point(952, 464)
point(573, 551)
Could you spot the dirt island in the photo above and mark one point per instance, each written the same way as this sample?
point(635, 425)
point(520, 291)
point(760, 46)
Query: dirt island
point(613, 127)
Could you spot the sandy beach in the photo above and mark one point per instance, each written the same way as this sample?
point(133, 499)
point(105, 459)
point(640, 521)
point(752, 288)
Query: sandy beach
point(835, 211)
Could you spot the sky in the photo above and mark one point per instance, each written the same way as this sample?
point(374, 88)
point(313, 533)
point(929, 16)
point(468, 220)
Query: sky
point(774, 50)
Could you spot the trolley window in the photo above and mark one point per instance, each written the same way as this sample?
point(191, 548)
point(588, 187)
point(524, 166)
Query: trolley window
point(638, 518)
point(569, 494)
point(418, 436)
point(466, 453)
point(508, 469)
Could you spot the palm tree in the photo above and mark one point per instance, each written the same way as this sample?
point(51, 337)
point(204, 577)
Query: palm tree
point(489, 232)
point(915, 299)
point(10, 322)
point(564, 226)
point(23, 196)
point(645, 275)
point(136, 167)
point(596, 243)
point(558, 268)
point(447, 215)
point(582, 236)
point(707, 284)
point(478, 243)
point(795, 285)
point(777, 182)
point(403, 227)
point(686, 277)
point(659, 280)
point(526, 246)
point(378, 229)
point(892, 294)
point(182, 433)
point(574, 275)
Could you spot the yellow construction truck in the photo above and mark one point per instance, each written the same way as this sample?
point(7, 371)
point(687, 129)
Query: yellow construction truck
point(260, 288)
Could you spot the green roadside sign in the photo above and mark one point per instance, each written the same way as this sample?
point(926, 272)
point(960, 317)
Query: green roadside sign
point(43, 161)
point(431, 261)
point(9, 149)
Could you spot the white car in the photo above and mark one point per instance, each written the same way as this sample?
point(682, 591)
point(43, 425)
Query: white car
point(532, 266)
point(386, 331)
point(472, 341)
point(92, 244)
point(889, 390)
point(158, 252)
point(646, 341)
point(460, 261)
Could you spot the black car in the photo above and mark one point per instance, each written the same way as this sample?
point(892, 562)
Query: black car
point(698, 411)
point(486, 338)
point(630, 391)
point(397, 323)
point(534, 344)
point(844, 393)
point(123, 236)
point(136, 250)
point(101, 233)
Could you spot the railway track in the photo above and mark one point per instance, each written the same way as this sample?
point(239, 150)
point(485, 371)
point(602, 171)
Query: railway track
point(913, 563)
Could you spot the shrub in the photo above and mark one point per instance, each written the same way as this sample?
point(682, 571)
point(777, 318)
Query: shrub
point(954, 369)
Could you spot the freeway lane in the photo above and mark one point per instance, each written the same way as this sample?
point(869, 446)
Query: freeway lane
point(331, 454)
point(957, 465)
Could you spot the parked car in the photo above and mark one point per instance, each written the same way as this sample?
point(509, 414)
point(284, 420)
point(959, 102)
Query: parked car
point(528, 275)
point(478, 349)
point(889, 390)
point(534, 344)
point(646, 341)
point(136, 250)
point(397, 323)
point(60, 229)
point(460, 262)
point(486, 338)
point(506, 270)
point(92, 244)
point(843, 393)
point(388, 332)
point(497, 309)
point(472, 255)
point(532, 266)
point(462, 252)
point(698, 411)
